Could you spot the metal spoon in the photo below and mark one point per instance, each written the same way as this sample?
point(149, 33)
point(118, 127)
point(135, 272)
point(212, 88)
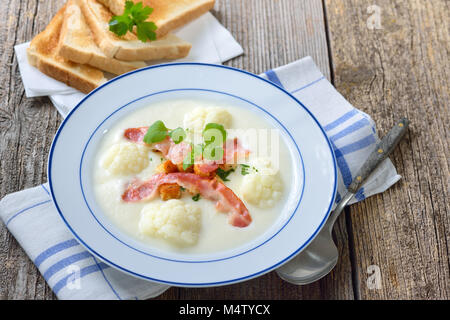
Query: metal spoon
point(321, 255)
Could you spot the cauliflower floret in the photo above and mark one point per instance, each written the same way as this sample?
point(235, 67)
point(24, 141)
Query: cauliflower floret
point(218, 115)
point(195, 120)
point(126, 158)
point(261, 190)
point(172, 220)
point(198, 118)
point(262, 187)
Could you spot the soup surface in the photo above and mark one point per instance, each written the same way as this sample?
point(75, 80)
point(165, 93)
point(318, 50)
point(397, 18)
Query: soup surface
point(192, 223)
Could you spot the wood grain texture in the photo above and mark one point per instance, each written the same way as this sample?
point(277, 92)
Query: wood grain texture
point(26, 130)
point(400, 70)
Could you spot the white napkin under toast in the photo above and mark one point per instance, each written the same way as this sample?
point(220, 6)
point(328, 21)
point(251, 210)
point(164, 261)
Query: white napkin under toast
point(211, 43)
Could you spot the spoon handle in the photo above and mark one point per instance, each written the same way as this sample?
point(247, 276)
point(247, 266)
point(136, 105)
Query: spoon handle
point(381, 152)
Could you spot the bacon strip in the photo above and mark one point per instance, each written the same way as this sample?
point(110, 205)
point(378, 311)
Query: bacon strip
point(233, 150)
point(226, 199)
point(170, 151)
point(135, 134)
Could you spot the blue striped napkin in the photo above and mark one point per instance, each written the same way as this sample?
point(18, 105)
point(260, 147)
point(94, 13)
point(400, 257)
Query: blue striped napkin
point(351, 132)
point(73, 273)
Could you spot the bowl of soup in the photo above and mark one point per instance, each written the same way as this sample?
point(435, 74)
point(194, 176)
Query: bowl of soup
point(192, 174)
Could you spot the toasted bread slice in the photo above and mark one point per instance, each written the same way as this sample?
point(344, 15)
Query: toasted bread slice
point(77, 44)
point(129, 47)
point(43, 53)
point(167, 14)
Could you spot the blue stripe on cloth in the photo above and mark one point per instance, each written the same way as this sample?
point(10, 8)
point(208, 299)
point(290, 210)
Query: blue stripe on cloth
point(343, 166)
point(340, 120)
point(350, 129)
point(107, 281)
point(360, 195)
point(26, 209)
point(338, 197)
point(358, 145)
point(65, 262)
point(45, 189)
point(308, 85)
point(83, 272)
point(272, 76)
point(54, 249)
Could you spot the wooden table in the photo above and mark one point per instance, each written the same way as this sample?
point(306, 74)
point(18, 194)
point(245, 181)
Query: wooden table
point(389, 60)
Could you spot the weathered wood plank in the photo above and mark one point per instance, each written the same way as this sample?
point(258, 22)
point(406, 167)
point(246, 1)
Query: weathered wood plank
point(26, 130)
point(400, 70)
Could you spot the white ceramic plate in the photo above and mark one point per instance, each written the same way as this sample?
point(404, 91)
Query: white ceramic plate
point(309, 202)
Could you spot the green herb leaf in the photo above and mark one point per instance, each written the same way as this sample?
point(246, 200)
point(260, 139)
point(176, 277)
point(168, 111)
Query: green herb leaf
point(157, 132)
point(119, 25)
point(146, 30)
point(224, 174)
point(138, 11)
point(196, 197)
point(177, 135)
point(134, 15)
point(244, 169)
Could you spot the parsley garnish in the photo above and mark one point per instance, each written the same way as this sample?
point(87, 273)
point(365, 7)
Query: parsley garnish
point(244, 169)
point(156, 132)
point(134, 15)
point(224, 174)
point(196, 197)
point(178, 135)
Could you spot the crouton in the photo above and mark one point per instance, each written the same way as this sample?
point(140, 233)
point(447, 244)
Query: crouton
point(189, 170)
point(166, 167)
point(205, 174)
point(169, 191)
point(227, 166)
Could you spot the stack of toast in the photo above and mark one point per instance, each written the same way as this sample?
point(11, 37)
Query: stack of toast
point(78, 48)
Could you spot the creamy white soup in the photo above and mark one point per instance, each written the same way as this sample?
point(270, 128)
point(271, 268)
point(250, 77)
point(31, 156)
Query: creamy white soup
point(182, 218)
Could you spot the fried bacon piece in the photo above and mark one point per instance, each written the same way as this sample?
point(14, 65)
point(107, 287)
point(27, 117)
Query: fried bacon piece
point(226, 200)
point(233, 151)
point(205, 170)
point(169, 149)
point(135, 134)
